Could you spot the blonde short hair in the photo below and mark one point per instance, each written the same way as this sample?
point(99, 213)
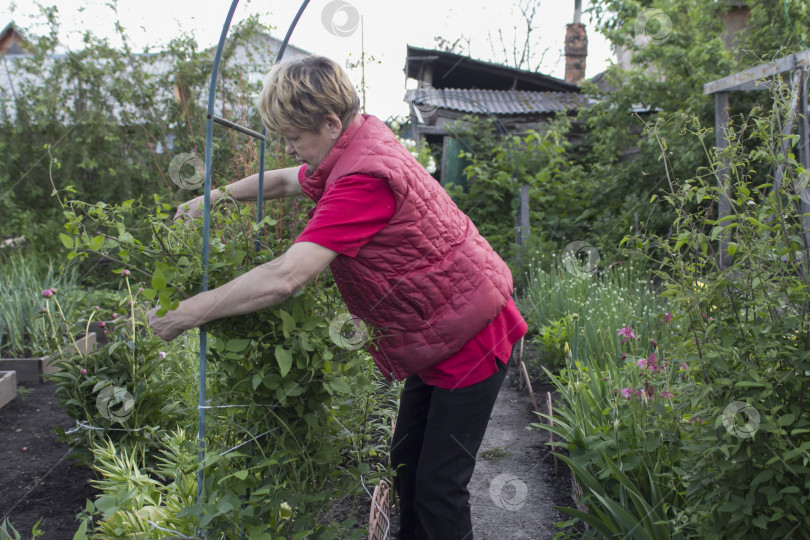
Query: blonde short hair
point(300, 93)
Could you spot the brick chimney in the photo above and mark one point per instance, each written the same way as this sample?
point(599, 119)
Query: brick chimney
point(576, 47)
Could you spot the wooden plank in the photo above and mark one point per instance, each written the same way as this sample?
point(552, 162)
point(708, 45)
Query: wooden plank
point(721, 118)
point(28, 369)
point(8, 387)
point(738, 81)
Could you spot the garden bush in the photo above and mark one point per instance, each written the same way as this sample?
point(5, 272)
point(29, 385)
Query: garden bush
point(705, 432)
point(293, 419)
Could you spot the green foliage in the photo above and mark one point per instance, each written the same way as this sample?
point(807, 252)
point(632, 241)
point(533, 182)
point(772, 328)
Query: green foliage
point(559, 194)
point(8, 532)
point(112, 138)
point(132, 497)
point(748, 333)
point(293, 418)
point(710, 429)
point(552, 343)
point(589, 309)
point(23, 278)
point(119, 391)
point(598, 189)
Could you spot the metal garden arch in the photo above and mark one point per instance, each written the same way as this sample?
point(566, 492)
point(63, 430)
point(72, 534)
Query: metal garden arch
point(209, 134)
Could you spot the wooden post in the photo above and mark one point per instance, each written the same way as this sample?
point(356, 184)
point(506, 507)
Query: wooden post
point(524, 214)
point(804, 155)
point(550, 407)
point(721, 118)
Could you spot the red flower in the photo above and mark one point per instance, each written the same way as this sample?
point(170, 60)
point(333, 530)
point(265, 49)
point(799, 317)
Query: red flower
point(668, 317)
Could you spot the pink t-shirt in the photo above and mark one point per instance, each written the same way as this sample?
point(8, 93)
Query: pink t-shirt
point(347, 217)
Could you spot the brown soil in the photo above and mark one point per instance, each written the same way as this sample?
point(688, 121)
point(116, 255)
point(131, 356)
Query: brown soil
point(40, 482)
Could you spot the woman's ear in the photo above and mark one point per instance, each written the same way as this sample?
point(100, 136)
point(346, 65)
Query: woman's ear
point(333, 125)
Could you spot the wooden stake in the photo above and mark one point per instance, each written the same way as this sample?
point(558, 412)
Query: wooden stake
point(529, 384)
point(550, 406)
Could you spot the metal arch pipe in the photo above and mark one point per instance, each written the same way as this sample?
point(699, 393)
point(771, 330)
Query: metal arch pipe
point(209, 136)
point(263, 145)
point(209, 140)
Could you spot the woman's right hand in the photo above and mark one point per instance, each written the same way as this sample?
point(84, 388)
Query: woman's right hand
point(189, 210)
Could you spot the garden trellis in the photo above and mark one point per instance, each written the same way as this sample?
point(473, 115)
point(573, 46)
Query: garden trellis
point(209, 134)
point(754, 79)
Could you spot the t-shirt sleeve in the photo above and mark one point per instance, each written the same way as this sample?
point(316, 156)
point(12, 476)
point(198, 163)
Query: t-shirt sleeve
point(349, 214)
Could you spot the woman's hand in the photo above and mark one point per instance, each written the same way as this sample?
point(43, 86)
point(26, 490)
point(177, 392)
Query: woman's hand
point(167, 327)
point(190, 209)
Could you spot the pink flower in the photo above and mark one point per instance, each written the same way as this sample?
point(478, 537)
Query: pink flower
point(115, 315)
point(47, 293)
point(84, 371)
point(668, 317)
point(641, 363)
point(627, 334)
point(684, 366)
point(667, 395)
point(125, 272)
point(654, 343)
point(162, 354)
point(627, 393)
point(652, 363)
point(624, 356)
point(102, 324)
point(96, 308)
point(105, 332)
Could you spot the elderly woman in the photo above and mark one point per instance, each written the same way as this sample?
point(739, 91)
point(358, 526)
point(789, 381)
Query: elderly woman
point(406, 260)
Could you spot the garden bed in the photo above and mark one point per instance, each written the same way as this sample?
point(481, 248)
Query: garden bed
point(40, 480)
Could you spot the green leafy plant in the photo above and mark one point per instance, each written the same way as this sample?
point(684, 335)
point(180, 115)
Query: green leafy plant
point(707, 429)
point(8, 532)
point(22, 281)
point(281, 392)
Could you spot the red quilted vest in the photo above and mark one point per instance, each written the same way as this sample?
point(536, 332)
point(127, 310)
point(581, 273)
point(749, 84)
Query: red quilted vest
point(428, 282)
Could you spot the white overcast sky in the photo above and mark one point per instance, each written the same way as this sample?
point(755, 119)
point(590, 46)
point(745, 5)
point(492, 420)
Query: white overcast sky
point(389, 26)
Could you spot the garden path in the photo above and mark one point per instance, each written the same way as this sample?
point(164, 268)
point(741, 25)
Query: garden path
point(514, 488)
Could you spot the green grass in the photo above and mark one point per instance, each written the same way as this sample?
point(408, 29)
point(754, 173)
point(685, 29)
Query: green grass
point(22, 280)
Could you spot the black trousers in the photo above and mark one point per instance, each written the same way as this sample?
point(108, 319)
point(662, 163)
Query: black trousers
point(437, 436)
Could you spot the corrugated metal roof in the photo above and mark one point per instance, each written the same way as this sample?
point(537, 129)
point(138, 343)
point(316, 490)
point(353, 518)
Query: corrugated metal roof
point(495, 101)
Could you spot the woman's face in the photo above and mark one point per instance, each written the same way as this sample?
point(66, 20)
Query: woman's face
point(310, 147)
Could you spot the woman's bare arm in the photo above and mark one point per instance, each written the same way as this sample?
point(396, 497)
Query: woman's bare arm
point(277, 184)
point(264, 286)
